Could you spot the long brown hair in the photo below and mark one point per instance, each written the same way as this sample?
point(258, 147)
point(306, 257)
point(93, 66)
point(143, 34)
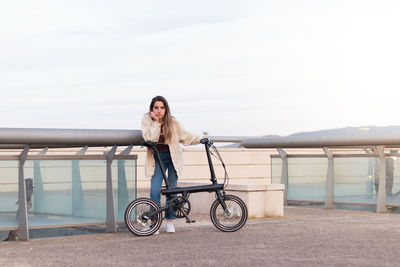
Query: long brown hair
point(167, 120)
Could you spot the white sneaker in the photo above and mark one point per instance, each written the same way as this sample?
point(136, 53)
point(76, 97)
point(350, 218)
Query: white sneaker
point(170, 227)
point(147, 228)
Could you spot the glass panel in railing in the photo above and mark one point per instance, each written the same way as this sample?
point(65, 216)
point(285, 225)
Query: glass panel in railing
point(393, 181)
point(356, 180)
point(307, 178)
point(124, 185)
point(8, 194)
point(67, 192)
point(93, 175)
point(276, 170)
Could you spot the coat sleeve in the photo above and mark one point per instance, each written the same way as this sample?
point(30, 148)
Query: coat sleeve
point(150, 129)
point(185, 137)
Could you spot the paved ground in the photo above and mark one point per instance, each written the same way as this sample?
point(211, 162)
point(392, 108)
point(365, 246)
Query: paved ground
point(304, 237)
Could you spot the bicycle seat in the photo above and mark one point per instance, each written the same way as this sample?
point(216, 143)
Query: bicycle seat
point(152, 145)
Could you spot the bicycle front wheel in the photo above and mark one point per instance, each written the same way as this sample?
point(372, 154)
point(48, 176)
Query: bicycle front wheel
point(231, 219)
point(139, 217)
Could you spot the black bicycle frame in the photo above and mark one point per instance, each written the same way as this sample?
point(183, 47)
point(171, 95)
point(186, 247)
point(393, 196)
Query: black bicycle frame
point(213, 178)
point(161, 166)
point(214, 187)
point(210, 164)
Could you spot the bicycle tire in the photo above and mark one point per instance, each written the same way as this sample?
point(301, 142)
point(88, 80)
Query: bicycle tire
point(236, 217)
point(138, 225)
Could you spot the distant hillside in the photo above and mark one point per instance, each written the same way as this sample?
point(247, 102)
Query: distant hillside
point(370, 130)
point(347, 131)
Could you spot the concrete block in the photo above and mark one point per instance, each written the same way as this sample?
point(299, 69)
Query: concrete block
point(262, 200)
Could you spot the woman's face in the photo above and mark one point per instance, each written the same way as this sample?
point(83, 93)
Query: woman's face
point(159, 109)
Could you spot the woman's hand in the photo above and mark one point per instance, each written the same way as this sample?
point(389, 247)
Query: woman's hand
point(154, 116)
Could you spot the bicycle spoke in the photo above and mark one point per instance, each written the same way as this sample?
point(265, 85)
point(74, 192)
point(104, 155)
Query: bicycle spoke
point(134, 217)
point(233, 217)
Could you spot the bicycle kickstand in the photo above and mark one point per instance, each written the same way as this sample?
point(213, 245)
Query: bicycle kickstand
point(188, 220)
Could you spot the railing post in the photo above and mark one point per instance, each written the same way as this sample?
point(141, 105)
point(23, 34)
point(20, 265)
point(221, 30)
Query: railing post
point(111, 221)
point(330, 182)
point(23, 231)
point(123, 196)
point(381, 200)
point(284, 174)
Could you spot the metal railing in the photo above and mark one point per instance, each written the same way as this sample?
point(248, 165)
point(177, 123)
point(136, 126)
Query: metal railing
point(373, 145)
point(108, 157)
point(27, 139)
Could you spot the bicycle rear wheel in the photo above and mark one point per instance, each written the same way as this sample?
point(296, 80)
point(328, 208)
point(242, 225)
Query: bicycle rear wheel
point(231, 219)
point(138, 217)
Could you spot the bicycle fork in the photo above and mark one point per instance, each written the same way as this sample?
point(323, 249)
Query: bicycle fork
point(221, 197)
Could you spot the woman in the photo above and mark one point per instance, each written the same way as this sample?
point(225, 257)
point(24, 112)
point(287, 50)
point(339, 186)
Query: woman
point(158, 125)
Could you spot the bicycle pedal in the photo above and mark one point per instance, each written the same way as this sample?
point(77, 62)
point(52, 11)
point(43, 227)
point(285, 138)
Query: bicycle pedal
point(191, 221)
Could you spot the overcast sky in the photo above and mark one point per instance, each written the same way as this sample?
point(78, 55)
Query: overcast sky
point(226, 67)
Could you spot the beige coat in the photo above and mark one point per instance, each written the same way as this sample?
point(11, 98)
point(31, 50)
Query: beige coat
point(151, 132)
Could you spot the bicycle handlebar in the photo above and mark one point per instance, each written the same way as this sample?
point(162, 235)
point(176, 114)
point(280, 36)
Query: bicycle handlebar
point(206, 141)
point(150, 144)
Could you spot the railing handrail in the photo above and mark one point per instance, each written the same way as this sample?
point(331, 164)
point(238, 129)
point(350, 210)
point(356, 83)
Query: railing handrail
point(51, 137)
point(361, 140)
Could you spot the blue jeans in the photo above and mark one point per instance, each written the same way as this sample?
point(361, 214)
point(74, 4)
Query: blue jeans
point(157, 179)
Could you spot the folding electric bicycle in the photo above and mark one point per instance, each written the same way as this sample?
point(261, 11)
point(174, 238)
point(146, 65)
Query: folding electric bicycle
point(228, 213)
